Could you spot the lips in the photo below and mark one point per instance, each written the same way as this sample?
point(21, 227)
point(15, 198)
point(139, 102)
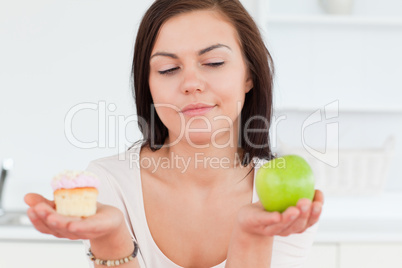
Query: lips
point(197, 109)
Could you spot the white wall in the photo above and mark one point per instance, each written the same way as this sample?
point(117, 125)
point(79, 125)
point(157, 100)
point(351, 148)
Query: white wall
point(55, 55)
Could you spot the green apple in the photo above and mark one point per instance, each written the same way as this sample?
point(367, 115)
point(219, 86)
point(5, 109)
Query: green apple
point(283, 181)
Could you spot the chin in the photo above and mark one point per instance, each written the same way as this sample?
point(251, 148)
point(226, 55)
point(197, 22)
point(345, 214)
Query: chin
point(207, 140)
point(199, 140)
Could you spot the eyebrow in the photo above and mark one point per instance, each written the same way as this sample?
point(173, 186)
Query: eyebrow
point(205, 50)
point(201, 52)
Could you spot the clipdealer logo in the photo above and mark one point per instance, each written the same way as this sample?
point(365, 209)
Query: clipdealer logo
point(112, 129)
point(330, 112)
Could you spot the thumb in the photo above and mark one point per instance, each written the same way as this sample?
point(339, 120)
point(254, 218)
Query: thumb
point(32, 199)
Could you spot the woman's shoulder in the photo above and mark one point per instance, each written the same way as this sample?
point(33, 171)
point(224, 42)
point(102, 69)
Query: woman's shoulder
point(119, 176)
point(118, 165)
point(123, 159)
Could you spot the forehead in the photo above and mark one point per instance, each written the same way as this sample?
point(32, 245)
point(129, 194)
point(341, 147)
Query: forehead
point(196, 30)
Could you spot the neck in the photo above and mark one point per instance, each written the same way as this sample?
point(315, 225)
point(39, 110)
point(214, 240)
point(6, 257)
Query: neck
point(201, 167)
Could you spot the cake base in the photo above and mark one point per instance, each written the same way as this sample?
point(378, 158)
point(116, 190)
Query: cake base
point(77, 202)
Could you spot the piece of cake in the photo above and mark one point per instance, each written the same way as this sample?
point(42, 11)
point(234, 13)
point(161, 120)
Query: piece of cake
point(75, 193)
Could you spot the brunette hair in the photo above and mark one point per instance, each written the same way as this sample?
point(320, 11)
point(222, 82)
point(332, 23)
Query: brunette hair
point(257, 109)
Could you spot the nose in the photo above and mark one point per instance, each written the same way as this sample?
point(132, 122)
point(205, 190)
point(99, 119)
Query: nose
point(192, 81)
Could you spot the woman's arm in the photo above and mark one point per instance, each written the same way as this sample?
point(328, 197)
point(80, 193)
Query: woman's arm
point(106, 230)
point(114, 246)
point(252, 238)
point(249, 251)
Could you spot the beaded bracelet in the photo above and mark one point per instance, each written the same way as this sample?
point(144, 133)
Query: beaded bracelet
point(110, 263)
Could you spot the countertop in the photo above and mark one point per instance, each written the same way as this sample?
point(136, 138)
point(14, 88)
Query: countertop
point(362, 219)
point(344, 219)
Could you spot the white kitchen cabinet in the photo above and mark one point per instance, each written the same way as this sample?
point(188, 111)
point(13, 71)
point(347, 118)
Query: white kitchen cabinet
point(370, 255)
point(337, 56)
point(352, 255)
point(44, 254)
point(66, 254)
point(323, 255)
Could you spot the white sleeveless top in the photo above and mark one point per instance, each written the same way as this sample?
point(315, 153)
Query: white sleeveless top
point(121, 187)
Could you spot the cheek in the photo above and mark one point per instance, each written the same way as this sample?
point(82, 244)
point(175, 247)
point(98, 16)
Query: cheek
point(170, 118)
point(231, 89)
point(231, 81)
point(163, 103)
point(154, 87)
point(160, 91)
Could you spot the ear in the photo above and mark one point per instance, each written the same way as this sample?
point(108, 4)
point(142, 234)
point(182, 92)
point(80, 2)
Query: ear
point(249, 84)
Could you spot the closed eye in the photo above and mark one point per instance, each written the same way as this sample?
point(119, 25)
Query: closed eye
point(215, 64)
point(169, 71)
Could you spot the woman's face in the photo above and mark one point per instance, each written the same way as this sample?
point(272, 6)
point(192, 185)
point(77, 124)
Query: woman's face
point(198, 79)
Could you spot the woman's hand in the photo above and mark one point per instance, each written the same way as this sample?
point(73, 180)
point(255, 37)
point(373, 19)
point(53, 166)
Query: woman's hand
point(45, 219)
point(106, 230)
point(255, 221)
point(253, 235)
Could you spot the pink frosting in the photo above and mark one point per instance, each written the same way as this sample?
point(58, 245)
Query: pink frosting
point(74, 179)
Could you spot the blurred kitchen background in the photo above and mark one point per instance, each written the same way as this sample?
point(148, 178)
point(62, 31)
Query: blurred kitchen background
point(65, 100)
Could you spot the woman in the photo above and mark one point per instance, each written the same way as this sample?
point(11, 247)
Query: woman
point(185, 195)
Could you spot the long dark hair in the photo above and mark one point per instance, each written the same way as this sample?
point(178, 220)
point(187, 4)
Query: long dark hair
point(257, 109)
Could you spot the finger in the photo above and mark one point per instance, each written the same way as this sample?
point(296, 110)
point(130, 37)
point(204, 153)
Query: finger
point(37, 222)
point(258, 204)
point(103, 221)
point(300, 223)
point(41, 225)
point(88, 228)
point(59, 224)
point(290, 214)
point(60, 221)
point(305, 206)
point(318, 202)
point(287, 218)
point(32, 199)
point(318, 196)
point(315, 213)
point(263, 217)
point(53, 223)
point(43, 210)
point(268, 218)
